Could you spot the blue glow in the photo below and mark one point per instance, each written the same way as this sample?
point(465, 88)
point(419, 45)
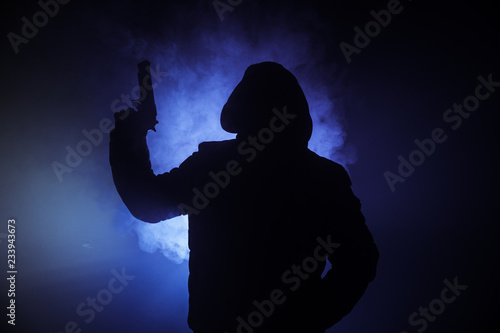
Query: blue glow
point(72, 234)
point(190, 99)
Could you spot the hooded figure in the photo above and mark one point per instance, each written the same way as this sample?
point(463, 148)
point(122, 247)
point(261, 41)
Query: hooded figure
point(265, 214)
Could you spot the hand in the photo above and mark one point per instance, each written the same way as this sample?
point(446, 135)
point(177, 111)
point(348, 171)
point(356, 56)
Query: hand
point(131, 122)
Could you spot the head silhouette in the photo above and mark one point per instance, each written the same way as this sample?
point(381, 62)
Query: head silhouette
point(266, 86)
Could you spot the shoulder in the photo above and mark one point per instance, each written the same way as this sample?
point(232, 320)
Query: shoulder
point(327, 169)
point(216, 145)
point(208, 156)
point(212, 151)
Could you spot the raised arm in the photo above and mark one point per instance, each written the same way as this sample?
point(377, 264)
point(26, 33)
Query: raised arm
point(149, 197)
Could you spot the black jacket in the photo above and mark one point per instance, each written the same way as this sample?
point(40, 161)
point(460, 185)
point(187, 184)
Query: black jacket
point(247, 231)
point(264, 211)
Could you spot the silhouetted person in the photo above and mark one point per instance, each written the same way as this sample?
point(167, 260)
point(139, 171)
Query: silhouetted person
point(265, 213)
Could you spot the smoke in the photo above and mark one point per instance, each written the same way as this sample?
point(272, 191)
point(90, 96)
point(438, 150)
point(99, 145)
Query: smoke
point(169, 237)
point(205, 60)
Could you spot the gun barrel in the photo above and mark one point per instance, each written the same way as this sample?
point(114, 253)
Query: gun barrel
point(145, 82)
point(147, 104)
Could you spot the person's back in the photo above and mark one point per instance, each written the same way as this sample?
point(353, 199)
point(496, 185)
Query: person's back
point(264, 214)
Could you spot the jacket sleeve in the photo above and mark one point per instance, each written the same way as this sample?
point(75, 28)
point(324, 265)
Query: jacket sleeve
point(149, 197)
point(354, 262)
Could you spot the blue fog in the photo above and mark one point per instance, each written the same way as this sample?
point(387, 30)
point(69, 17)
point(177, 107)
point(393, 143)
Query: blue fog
point(73, 232)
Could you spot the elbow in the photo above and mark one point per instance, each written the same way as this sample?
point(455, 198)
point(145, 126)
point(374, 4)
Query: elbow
point(145, 217)
point(151, 213)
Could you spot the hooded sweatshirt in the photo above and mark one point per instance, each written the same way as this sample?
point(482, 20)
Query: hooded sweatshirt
point(265, 214)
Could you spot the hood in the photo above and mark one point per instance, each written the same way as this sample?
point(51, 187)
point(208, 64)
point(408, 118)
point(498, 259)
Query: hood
point(266, 86)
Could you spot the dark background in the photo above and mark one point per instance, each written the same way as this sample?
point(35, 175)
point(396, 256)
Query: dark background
point(441, 223)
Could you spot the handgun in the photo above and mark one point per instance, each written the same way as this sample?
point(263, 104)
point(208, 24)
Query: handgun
point(145, 105)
